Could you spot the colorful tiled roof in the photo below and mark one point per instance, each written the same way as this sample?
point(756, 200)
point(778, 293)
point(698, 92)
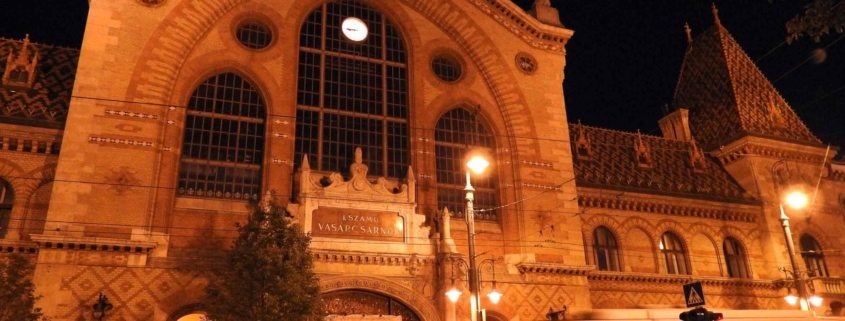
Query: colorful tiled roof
point(45, 104)
point(610, 159)
point(728, 97)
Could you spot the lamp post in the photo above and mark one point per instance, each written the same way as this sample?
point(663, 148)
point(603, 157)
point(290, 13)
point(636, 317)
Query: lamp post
point(101, 307)
point(476, 164)
point(796, 200)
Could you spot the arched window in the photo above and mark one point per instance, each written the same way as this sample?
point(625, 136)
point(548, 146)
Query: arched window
point(456, 131)
point(223, 147)
point(7, 199)
point(674, 254)
point(606, 250)
point(735, 258)
point(813, 256)
point(352, 92)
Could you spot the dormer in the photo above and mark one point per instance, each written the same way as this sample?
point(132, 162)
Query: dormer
point(20, 70)
point(696, 158)
point(583, 148)
point(774, 114)
point(642, 152)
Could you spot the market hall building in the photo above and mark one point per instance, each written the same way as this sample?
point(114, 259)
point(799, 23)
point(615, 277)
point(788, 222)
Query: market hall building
point(126, 163)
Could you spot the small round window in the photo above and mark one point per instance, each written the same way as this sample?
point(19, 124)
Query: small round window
point(526, 63)
point(254, 35)
point(446, 68)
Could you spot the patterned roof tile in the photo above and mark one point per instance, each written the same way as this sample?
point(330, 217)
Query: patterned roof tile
point(672, 169)
point(729, 97)
point(46, 103)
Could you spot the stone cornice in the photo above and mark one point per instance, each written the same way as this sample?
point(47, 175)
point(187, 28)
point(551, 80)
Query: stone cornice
point(20, 247)
point(754, 147)
point(554, 268)
point(60, 242)
point(371, 258)
point(522, 25)
point(634, 202)
point(678, 279)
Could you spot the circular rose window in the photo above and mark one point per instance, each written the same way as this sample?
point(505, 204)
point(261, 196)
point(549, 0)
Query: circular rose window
point(526, 63)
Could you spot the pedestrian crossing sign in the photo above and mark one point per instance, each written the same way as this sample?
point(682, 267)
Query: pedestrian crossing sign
point(693, 294)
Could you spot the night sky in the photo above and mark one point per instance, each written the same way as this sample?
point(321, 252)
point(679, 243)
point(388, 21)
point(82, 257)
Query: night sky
point(622, 63)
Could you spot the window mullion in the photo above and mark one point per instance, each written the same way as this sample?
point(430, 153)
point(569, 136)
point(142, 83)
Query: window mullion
point(384, 105)
point(319, 160)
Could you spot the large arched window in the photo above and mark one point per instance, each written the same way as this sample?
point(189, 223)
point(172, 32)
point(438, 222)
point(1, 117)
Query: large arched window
point(735, 258)
point(352, 93)
point(456, 131)
point(7, 199)
point(813, 256)
point(223, 147)
point(606, 250)
point(673, 254)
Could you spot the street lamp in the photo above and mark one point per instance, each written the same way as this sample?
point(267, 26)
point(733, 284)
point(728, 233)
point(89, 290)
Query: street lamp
point(797, 200)
point(101, 307)
point(476, 163)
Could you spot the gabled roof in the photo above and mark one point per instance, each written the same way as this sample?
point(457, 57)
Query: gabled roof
point(728, 97)
point(45, 104)
point(612, 163)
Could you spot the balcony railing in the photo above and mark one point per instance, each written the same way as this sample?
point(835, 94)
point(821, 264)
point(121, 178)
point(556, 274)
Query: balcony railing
point(828, 285)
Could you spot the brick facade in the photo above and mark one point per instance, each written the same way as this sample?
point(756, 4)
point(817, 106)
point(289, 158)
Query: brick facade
point(104, 214)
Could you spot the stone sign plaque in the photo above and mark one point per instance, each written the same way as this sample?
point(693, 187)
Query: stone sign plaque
point(379, 226)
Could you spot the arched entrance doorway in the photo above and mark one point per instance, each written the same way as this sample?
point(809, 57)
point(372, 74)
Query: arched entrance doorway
point(191, 317)
point(358, 302)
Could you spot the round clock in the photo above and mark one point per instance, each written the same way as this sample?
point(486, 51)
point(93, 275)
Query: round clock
point(354, 29)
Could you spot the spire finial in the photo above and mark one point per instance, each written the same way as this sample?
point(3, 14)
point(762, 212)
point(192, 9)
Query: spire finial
point(689, 32)
point(716, 14)
point(547, 3)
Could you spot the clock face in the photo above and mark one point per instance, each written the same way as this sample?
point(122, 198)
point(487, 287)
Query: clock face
point(354, 29)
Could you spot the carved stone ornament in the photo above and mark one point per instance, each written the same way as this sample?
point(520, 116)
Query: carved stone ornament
point(152, 3)
point(20, 70)
point(774, 114)
point(358, 186)
point(697, 160)
point(526, 63)
point(583, 148)
point(642, 152)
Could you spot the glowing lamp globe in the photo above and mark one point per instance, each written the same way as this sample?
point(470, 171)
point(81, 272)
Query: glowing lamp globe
point(478, 164)
point(796, 200)
point(494, 295)
point(453, 294)
point(815, 301)
point(791, 299)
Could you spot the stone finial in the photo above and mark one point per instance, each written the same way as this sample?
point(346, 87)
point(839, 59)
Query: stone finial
point(716, 15)
point(305, 166)
point(358, 168)
point(411, 176)
point(358, 157)
point(689, 32)
point(445, 224)
point(20, 71)
point(642, 152)
point(543, 11)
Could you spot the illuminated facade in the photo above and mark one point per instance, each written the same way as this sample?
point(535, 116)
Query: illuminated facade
point(358, 114)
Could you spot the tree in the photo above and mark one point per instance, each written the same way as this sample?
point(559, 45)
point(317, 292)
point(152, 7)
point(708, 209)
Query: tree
point(818, 19)
point(268, 275)
point(17, 298)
